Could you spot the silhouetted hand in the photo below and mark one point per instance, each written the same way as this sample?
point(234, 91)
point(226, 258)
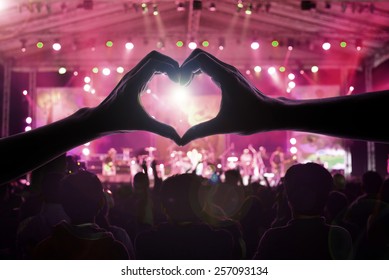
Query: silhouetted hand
point(122, 111)
point(244, 109)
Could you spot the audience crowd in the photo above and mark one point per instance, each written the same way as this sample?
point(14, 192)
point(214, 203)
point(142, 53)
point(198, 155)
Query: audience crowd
point(68, 213)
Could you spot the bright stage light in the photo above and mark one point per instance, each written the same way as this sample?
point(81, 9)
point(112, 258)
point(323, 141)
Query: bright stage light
point(86, 151)
point(351, 88)
point(87, 87)
point(314, 69)
point(155, 10)
point(179, 43)
point(293, 150)
point(291, 85)
point(248, 72)
point(87, 80)
point(56, 46)
point(62, 70)
point(275, 43)
point(28, 120)
point(95, 70)
point(25, 92)
point(343, 44)
point(257, 69)
point(39, 45)
point(109, 44)
point(205, 43)
point(291, 76)
point(120, 70)
point(129, 46)
point(106, 71)
point(282, 69)
point(192, 45)
point(326, 46)
point(255, 45)
point(180, 93)
point(293, 141)
point(271, 70)
point(27, 128)
point(75, 73)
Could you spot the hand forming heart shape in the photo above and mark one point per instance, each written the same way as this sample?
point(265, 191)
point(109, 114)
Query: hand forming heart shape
point(241, 107)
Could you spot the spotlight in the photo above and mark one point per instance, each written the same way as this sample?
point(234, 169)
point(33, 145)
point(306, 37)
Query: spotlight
point(249, 9)
point(343, 44)
point(180, 43)
point(192, 45)
point(271, 71)
point(205, 43)
point(314, 69)
point(106, 71)
point(291, 85)
point(255, 45)
point(62, 70)
point(257, 69)
point(239, 6)
point(275, 43)
point(358, 44)
point(28, 120)
point(293, 141)
point(212, 7)
point(180, 7)
point(326, 46)
point(109, 44)
point(23, 42)
point(56, 46)
point(160, 44)
point(129, 45)
point(155, 10)
point(39, 44)
point(145, 9)
point(290, 43)
point(291, 76)
point(222, 43)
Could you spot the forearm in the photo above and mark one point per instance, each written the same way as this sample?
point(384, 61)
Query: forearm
point(26, 151)
point(360, 116)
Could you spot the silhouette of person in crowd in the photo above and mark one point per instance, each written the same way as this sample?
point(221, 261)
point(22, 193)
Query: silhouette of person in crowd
point(185, 235)
point(82, 198)
point(307, 236)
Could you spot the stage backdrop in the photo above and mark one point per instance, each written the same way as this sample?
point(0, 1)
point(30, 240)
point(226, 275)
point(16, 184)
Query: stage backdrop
point(330, 151)
point(178, 106)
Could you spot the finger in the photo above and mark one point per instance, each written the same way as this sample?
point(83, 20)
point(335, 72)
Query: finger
point(196, 52)
point(200, 130)
point(202, 62)
point(154, 55)
point(163, 130)
point(155, 66)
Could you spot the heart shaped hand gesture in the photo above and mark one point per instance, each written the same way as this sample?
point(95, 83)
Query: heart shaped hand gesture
point(244, 109)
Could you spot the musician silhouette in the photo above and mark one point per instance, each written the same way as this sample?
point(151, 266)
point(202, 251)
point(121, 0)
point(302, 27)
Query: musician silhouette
point(277, 162)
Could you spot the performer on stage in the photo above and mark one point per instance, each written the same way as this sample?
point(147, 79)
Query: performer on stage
point(246, 163)
point(277, 162)
point(109, 163)
point(259, 166)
